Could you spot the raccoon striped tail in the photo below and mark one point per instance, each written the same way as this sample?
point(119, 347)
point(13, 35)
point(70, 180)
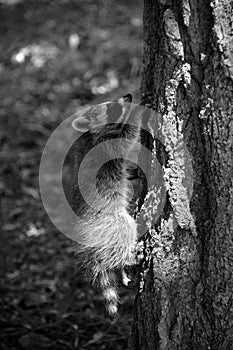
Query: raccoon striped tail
point(108, 290)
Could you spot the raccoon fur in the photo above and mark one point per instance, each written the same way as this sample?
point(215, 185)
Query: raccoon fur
point(105, 227)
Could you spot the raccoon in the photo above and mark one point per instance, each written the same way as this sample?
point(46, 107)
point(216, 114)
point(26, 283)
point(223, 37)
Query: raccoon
point(104, 204)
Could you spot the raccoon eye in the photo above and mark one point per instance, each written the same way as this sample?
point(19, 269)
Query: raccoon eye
point(114, 112)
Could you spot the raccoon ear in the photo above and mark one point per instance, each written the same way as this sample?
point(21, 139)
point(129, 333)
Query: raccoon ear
point(125, 99)
point(128, 98)
point(81, 124)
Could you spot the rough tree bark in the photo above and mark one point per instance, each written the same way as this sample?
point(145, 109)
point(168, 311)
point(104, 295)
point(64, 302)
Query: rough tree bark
point(185, 299)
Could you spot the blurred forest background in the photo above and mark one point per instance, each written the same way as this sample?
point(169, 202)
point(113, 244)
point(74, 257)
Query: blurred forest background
point(55, 57)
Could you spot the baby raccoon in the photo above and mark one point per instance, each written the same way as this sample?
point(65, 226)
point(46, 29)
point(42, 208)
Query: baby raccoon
point(105, 174)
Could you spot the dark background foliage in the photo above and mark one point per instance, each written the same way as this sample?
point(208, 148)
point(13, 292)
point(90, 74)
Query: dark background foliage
point(55, 56)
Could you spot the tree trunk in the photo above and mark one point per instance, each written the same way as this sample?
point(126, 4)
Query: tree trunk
point(185, 299)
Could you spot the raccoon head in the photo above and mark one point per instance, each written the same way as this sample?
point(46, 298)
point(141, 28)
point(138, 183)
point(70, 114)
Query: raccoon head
point(99, 118)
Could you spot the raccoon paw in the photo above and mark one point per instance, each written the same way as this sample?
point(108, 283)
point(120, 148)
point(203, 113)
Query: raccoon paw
point(129, 277)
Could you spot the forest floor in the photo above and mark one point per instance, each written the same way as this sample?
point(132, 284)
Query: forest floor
point(55, 57)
